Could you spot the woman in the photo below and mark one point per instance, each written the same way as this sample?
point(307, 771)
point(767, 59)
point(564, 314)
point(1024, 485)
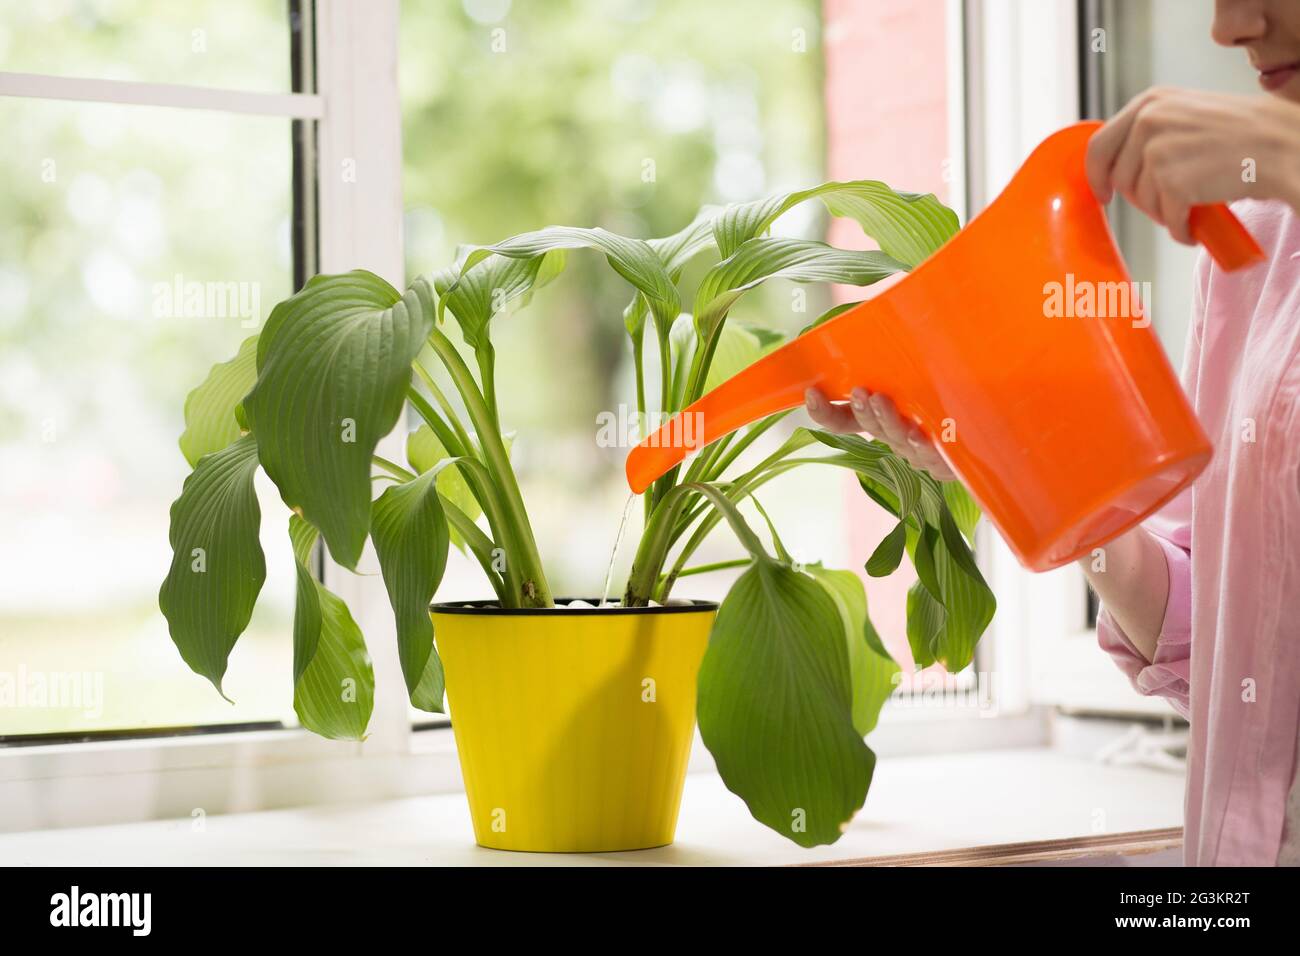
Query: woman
point(1202, 603)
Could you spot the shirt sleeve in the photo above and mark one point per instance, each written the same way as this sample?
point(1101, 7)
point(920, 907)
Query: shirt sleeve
point(1169, 673)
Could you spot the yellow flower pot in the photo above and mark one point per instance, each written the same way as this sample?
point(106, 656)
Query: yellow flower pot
point(573, 726)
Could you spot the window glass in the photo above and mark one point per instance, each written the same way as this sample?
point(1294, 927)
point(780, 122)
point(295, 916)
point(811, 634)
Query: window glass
point(241, 45)
point(628, 115)
point(1164, 43)
point(114, 218)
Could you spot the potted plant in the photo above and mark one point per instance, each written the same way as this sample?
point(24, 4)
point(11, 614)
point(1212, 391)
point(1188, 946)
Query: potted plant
point(573, 724)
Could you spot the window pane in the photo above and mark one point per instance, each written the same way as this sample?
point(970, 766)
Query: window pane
point(241, 45)
point(1166, 43)
point(108, 211)
point(627, 115)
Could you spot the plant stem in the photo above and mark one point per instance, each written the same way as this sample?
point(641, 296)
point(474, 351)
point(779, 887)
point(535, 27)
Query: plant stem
point(393, 468)
point(486, 356)
point(704, 460)
point(700, 363)
point(450, 440)
point(717, 468)
point(638, 363)
point(715, 566)
point(488, 496)
point(517, 536)
point(736, 492)
point(665, 373)
point(467, 444)
point(652, 552)
point(480, 545)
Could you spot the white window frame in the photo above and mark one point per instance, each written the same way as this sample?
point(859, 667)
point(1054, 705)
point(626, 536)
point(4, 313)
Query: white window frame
point(1025, 88)
point(1034, 639)
point(358, 118)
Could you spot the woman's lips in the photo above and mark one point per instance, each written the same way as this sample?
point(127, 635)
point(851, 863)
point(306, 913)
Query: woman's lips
point(1277, 77)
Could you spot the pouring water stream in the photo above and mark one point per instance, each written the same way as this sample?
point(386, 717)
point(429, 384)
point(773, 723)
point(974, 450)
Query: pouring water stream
point(618, 540)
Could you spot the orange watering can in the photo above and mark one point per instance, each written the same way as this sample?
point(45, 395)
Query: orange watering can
point(1022, 346)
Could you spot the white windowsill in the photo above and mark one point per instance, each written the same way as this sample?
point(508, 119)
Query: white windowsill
point(916, 805)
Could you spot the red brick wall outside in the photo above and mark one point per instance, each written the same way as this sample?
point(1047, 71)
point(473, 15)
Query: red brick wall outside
point(887, 119)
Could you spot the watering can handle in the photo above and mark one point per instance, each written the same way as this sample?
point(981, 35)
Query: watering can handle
point(1224, 237)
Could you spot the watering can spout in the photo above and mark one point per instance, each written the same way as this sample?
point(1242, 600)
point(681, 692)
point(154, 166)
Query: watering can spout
point(772, 384)
point(1023, 343)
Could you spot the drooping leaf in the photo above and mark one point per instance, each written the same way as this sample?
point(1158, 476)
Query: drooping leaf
point(888, 555)
point(887, 478)
point(681, 247)
point(674, 253)
point(411, 539)
point(799, 260)
point(905, 483)
point(776, 705)
point(907, 226)
point(334, 364)
point(872, 670)
point(211, 422)
point(967, 600)
point(487, 289)
point(963, 507)
point(217, 567)
point(925, 617)
point(633, 259)
point(952, 603)
point(333, 680)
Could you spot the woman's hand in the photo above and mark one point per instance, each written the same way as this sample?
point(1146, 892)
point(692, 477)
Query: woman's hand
point(877, 415)
point(1171, 149)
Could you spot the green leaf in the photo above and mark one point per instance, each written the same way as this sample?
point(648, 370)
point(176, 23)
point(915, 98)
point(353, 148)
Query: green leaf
point(334, 364)
point(634, 259)
point(681, 247)
point(424, 451)
point(211, 422)
point(799, 260)
point(776, 706)
point(217, 567)
point(829, 314)
point(740, 222)
point(887, 478)
point(967, 600)
point(885, 559)
point(904, 481)
point(953, 605)
point(674, 253)
point(907, 226)
point(333, 681)
point(925, 617)
point(871, 668)
point(963, 507)
point(473, 297)
point(411, 539)
point(738, 348)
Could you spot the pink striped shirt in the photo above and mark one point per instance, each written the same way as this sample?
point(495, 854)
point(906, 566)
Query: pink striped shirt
point(1228, 655)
